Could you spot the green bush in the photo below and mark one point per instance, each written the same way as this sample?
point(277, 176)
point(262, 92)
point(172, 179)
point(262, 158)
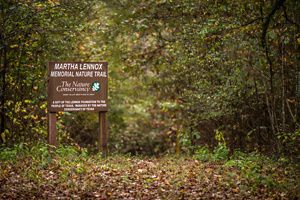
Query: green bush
point(221, 152)
point(203, 154)
point(11, 153)
point(255, 168)
point(67, 151)
point(8, 154)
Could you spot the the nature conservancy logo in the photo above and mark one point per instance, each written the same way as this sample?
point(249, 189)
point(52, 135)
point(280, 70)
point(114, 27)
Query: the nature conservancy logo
point(95, 86)
point(76, 86)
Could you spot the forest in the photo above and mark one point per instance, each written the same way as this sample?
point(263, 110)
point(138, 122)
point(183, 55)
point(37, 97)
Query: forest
point(203, 99)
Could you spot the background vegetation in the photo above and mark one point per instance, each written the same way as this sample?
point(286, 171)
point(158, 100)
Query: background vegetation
point(28, 171)
point(215, 81)
point(183, 74)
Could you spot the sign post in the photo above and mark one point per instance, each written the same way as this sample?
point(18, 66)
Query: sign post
point(102, 134)
point(52, 129)
point(78, 86)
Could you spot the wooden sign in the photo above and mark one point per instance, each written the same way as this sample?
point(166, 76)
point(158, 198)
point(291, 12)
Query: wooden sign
point(78, 86)
point(75, 86)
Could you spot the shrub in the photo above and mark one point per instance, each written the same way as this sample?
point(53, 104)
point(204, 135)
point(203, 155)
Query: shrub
point(203, 154)
point(221, 152)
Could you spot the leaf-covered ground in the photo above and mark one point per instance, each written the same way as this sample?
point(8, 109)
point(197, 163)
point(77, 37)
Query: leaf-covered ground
point(77, 176)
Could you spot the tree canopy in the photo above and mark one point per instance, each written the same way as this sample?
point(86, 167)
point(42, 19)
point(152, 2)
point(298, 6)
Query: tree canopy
point(183, 74)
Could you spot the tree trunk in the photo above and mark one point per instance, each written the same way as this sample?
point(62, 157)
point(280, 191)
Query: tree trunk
point(3, 91)
point(281, 53)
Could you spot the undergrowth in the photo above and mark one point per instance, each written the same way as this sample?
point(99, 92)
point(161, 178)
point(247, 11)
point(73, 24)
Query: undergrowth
point(70, 166)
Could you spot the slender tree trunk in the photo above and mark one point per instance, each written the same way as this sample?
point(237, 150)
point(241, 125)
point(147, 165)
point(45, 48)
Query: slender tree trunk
point(283, 84)
point(1, 140)
point(269, 61)
point(265, 25)
point(3, 91)
point(297, 63)
point(270, 114)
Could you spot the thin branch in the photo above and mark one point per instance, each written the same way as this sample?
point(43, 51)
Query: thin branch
point(251, 22)
point(268, 18)
point(291, 113)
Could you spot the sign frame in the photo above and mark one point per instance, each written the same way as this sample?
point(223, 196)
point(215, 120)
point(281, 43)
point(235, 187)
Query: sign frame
point(84, 96)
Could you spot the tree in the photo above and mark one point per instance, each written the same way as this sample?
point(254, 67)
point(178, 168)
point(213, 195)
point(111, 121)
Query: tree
point(211, 67)
point(32, 33)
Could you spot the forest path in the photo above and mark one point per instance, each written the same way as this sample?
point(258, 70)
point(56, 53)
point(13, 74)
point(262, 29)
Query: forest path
point(125, 177)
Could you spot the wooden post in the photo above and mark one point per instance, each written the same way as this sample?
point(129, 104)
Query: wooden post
point(52, 133)
point(102, 134)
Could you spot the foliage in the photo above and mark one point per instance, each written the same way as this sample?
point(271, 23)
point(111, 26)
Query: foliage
point(67, 172)
point(178, 71)
point(258, 169)
point(221, 152)
point(255, 169)
point(202, 154)
point(32, 33)
point(209, 66)
point(209, 79)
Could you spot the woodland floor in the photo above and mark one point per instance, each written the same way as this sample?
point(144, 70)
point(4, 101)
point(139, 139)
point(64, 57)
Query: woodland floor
point(126, 177)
